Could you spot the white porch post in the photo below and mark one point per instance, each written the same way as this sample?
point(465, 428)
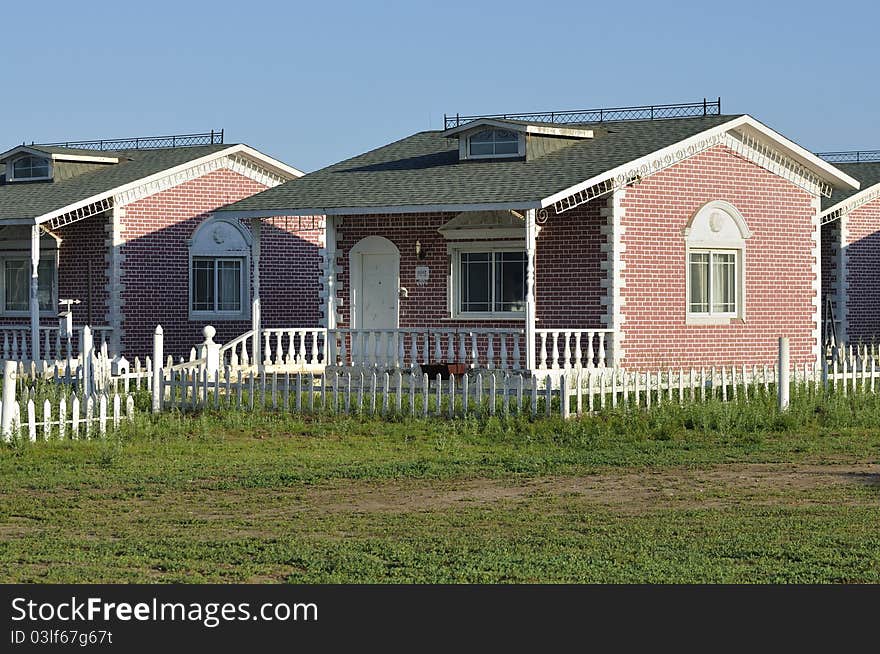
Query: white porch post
point(256, 224)
point(34, 304)
point(330, 276)
point(531, 234)
point(330, 238)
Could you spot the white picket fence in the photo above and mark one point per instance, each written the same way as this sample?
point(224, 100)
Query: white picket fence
point(66, 415)
point(71, 418)
point(573, 393)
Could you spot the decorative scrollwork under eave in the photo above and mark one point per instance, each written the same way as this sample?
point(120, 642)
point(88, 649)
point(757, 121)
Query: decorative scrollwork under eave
point(746, 146)
point(541, 216)
point(849, 207)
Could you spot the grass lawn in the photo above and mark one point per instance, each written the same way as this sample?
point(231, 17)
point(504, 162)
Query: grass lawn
point(707, 493)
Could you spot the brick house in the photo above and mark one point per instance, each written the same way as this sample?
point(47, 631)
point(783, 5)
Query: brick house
point(851, 251)
point(123, 228)
point(571, 239)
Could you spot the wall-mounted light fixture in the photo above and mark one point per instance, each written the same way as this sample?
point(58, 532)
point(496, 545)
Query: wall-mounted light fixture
point(420, 251)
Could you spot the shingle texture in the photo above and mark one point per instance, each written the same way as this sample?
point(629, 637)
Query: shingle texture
point(424, 169)
point(867, 173)
point(34, 199)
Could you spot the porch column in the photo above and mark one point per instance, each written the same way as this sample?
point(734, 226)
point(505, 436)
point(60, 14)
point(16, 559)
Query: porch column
point(256, 225)
point(34, 304)
point(531, 234)
point(330, 286)
point(330, 272)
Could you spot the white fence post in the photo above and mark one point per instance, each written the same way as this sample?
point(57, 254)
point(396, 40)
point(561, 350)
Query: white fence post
point(211, 351)
point(783, 384)
point(86, 353)
point(9, 369)
point(157, 369)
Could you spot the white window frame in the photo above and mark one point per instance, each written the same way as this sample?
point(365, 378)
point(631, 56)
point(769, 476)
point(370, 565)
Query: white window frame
point(216, 314)
point(10, 169)
point(727, 237)
point(454, 279)
point(44, 256)
point(220, 238)
point(465, 146)
point(737, 301)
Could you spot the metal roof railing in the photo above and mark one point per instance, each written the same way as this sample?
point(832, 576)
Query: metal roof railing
point(645, 112)
point(851, 156)
point(146, 142)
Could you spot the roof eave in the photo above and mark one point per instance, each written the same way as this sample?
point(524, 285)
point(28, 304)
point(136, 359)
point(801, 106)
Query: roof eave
point(269, 162)
point(825, 170)
point(856, 198)
point(525, 128)
point(395, 209)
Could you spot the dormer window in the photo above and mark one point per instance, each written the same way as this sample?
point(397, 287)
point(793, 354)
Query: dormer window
point(494, 143)
point(30, 167)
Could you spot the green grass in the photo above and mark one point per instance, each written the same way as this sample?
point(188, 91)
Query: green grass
point(664, 496)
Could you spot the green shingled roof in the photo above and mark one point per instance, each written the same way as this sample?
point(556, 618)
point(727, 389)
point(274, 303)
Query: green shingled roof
point(867, 173)
point(424, 169)
point(33, 199)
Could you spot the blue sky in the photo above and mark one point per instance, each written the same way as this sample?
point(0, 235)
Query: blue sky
point(313, 83)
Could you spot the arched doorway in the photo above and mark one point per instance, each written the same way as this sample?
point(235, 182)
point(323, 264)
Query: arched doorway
point(375, 283)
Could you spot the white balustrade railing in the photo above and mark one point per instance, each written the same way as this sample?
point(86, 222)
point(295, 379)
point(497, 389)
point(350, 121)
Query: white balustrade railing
point(297, 347)
point(15, 341)
point(294, 347)
point(563, 349)
point(404, 347)
point(408, 348)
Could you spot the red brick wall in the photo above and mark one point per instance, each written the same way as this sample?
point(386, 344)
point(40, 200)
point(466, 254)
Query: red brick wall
point(82, 245)
point(863, 272)
point(779, 265)
point(569, 269)
point(156, 259)
point(567, 289)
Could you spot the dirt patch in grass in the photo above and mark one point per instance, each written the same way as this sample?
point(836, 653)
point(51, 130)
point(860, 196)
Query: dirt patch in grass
point(640, 490)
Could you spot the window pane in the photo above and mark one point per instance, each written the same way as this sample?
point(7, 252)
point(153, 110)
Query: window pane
point(475, 280)
point(203, 285)
point(17, 283)
point(482, 148)
point(699, 299)
point(510, 281)
point(46, 287)
point(229, 286)
point(486, 136)
point(28, 167)
point(723, 282)
point(494, 141)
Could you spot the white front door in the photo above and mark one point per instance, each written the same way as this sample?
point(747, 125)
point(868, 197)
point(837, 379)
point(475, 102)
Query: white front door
point(380, 276)
point(375, 283)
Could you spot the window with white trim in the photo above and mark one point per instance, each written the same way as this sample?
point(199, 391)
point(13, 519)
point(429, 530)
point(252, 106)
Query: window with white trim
point(217, 285)
point(17, 285)
point(494, 143)
point(489, 282)
point(715, 264)
point(713, 283)
point(30, 167)
point(219, 271)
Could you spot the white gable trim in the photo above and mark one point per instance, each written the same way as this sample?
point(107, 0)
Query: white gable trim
point(240, 164)
point(851, 203)
point(804, 168)
point(241, 158)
